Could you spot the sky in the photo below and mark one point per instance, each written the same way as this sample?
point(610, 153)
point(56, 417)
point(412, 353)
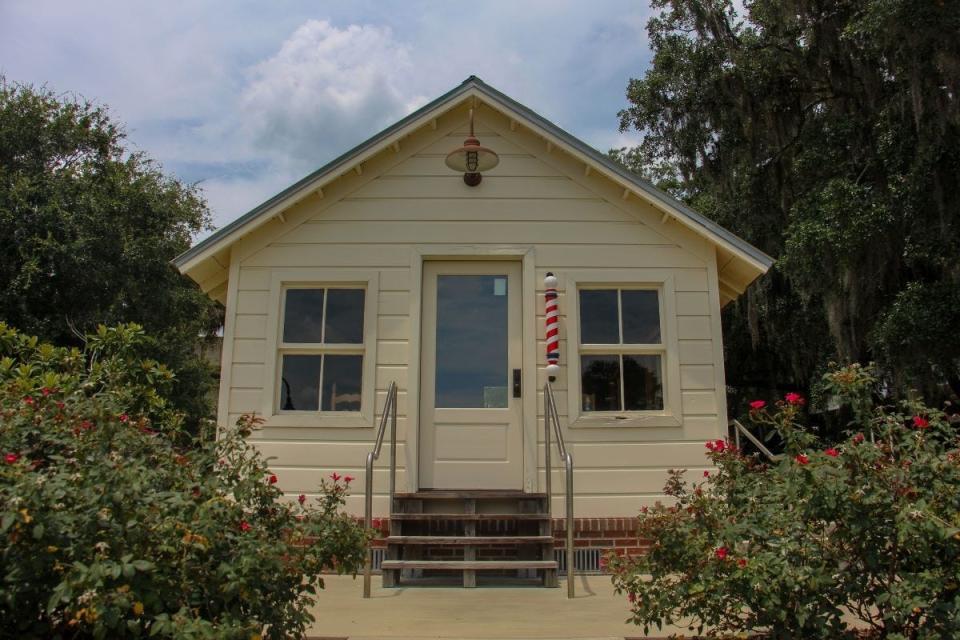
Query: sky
point(244, 98)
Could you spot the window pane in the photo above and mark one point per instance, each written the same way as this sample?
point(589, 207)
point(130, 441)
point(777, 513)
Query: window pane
point(300, 383)
point(341, 382)
point(641, 317)
point(303, 315)
point(344, 316)
point(598, 317)
point(600, 383)
point(471, 341)
point(642, 382)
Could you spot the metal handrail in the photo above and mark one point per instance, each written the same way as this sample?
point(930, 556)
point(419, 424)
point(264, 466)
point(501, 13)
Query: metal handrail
point(738, 428)
point(552, 417)
point(389, 410)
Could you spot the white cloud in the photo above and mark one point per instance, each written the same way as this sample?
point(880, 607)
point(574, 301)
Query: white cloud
point(326, 90)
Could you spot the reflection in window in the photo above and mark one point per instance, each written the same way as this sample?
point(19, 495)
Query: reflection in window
point(621, 360)
point(328, 322)
point(471, 356)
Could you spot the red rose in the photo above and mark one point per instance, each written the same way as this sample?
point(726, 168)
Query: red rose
point(632, 597)
point(721, 553)
point(706, 474)
point(858, 438)
point(29, 400)
point(244, 526)
point(742, 562)
point(756, 405)
point(833, 453)
point(335, 476)
point(46, 391)
point(920, 422)
point(794, 398)
point(802, 459)
point(124, 417)
point(301, 498)
point(348, 479)
point(273, 479)
point(11, 457)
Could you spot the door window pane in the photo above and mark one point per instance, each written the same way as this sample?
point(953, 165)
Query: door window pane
point(344, 324)
point(598, 317)
point(471, 358)
point(642, 383)
point(600, 382)
point(303, 315)
point(641, 317)
point(342, 382)
point(300, 383)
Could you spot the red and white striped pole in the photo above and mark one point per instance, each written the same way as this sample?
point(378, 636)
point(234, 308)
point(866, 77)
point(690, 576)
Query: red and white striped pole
point(553, 327)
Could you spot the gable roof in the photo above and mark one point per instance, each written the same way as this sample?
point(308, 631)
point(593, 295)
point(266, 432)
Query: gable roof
point(208, 260)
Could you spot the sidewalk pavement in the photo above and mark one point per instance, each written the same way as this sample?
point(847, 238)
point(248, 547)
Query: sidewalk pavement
point(484, 613)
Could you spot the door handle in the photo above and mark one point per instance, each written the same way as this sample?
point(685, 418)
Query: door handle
point(516, 383)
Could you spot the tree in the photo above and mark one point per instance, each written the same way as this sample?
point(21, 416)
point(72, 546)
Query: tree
point(826, 132)
point(87, 232)
point(110, 529)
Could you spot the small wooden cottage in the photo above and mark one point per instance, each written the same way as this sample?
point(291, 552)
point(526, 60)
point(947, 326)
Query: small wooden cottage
point(387, 266)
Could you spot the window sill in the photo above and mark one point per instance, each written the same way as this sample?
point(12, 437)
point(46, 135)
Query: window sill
point(625, 420)
point(331, 420)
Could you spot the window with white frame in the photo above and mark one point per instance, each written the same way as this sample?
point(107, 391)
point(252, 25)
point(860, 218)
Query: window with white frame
point(621, 349)
point(321, 349)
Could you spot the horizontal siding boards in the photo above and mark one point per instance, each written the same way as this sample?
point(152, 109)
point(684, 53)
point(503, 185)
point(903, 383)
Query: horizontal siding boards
point(452, 186)
point(475, 231)
point(298, 480)
point(697, 377)
point(456, 209)
point(608, 506)
point(250, 326)
point(526, 200)
point(601, 481)
point(699, 402)
point(618, 455)
point(326, 454)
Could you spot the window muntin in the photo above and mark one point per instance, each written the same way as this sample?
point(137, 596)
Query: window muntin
point(321, 353)
point(621, 350)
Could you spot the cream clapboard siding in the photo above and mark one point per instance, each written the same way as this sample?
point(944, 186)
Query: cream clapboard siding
point(533, 199)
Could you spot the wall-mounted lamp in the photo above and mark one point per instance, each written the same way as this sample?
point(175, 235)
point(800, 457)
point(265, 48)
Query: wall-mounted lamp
point(472, 158)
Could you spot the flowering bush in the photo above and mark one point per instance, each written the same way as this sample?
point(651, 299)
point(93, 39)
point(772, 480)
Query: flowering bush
point(864, 533)
point(108, 528)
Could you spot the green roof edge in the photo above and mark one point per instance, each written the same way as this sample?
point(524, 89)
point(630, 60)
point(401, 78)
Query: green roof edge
point(474, 81)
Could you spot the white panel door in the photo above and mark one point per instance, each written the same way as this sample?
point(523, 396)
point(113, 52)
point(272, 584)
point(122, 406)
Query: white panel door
point(470, 410)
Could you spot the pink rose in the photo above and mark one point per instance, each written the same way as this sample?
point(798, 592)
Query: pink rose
point(794, 398)
point(833, 453)
point(802, 459)
point(756, 405)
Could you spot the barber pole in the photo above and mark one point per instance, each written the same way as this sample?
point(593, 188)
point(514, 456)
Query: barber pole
point(553, 327)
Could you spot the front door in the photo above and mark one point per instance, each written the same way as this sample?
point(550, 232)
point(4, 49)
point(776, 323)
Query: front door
point(470, 409)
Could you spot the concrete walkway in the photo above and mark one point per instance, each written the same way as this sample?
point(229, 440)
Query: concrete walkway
point(484, 613)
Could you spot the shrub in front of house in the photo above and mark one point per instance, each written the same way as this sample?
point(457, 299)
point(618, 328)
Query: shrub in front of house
point(862, 534)
point(114, 524)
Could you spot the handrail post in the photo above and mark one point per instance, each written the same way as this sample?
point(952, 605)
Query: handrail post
point(368, 523)
point(389, 410)
point(569, 465)
point(547, 417)
point(393, 442)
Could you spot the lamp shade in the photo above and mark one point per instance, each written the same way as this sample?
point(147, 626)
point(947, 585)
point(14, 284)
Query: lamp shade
point(472, 157)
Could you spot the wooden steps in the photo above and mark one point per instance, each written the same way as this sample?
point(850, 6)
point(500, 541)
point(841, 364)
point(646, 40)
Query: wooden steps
point(469, 564)
point(467, 540)
point(437, 533)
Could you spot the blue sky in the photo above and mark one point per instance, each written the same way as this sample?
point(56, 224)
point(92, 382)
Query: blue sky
point(246, 97)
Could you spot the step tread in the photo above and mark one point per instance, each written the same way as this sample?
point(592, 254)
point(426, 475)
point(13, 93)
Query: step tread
point(467, 540)
point(469, 564)
point(453, 494)
point(470, 516)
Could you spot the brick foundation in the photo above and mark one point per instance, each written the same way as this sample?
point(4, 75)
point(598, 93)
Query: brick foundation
point(618, 534)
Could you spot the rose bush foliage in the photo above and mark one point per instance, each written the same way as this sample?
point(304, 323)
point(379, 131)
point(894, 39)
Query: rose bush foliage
point(112, 525)
point(862, 534)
